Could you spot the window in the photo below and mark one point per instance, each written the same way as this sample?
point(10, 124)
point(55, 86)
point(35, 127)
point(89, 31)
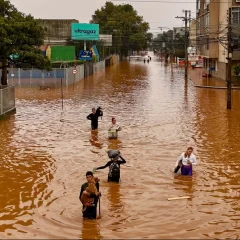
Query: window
point(206, 4)
point(198, 5)
point(205, 63)
point(236, 15)
point(213, 65)
point(207, 43)
point(206, 20)
point(236, 43)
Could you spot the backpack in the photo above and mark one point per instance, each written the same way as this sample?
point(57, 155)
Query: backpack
point(114, 170)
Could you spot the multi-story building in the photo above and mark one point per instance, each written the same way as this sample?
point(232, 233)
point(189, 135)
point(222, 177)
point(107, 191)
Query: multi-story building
point(57, 31)
point(212, 19)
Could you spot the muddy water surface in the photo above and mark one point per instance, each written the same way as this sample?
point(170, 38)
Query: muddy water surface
point(45, 153)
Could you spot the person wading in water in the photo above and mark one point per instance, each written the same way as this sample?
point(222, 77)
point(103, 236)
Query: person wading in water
point(91, 208)
point(185, 162)
point(113, 129)
point(94, 117)
point(114, 165)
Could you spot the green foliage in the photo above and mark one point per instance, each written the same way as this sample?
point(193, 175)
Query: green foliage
point(236, 70)
point(128, 29)
point(177, 44)
point(20, 34)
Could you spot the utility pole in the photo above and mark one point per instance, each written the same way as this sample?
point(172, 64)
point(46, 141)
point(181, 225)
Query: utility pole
point(186, 40)
point(172, 47)
point(229, 58)
point(227, 46)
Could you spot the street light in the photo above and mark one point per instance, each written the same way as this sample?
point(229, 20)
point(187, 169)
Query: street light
point(172, 38)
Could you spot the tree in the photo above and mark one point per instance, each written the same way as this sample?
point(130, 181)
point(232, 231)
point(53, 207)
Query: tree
point(179, 43)
point(236, 70)
point(21, 35)
point(128, 29)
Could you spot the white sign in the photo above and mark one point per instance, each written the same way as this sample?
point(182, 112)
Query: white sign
point(106, 39)
point(191, 50)
point(74, 71)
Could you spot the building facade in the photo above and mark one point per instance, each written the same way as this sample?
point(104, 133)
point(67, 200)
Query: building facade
point(192, 33)
point(212, 27)
point(57, 31)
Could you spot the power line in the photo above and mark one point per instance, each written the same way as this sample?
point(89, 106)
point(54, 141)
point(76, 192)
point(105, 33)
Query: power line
point(161, 1)
point(157, 1)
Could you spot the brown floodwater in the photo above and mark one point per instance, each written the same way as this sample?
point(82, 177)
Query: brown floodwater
point(45, 153)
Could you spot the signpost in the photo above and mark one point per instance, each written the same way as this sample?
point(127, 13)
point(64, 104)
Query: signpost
point(84, 31)
point(85, 55)
point(74, 71)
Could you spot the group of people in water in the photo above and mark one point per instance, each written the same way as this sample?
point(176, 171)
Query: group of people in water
point(148, 59)
point(90, 194)
point(113, 129)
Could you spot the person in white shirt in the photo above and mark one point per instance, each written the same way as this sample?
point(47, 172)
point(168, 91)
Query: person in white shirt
point(114, 128)
point(185, 162)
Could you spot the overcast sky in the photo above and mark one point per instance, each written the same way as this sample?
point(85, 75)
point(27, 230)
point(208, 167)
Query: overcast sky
point(158, 13)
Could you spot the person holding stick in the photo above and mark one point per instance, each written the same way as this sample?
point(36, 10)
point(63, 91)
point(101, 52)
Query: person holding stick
point(90, 211)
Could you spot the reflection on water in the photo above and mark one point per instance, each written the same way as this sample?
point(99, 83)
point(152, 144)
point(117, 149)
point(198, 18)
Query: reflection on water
point(26, 171)
point(90, 230)
point(94, 139)
point(45, 153)
point(114, 197)
point(114, 143)
point(184, 183)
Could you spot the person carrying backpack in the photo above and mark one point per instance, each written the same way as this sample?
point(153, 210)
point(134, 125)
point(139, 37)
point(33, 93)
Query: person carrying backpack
point(114, 165)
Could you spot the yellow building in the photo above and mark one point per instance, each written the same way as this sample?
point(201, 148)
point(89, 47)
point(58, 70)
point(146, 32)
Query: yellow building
point(211, 34)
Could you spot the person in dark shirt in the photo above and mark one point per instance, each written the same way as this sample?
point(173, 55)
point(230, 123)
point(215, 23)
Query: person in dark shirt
point(114, 168)
point(94, 117)
point(91, 211)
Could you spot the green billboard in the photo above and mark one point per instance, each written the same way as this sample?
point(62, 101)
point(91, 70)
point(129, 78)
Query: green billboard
point(62, 53)
point(85, 31)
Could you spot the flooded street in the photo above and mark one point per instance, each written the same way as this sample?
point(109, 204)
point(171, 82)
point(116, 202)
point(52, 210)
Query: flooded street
point(45, 153)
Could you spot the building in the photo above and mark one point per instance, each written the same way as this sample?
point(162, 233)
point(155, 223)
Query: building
point(192, 33)
point(212, 31)
point(57, 31)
